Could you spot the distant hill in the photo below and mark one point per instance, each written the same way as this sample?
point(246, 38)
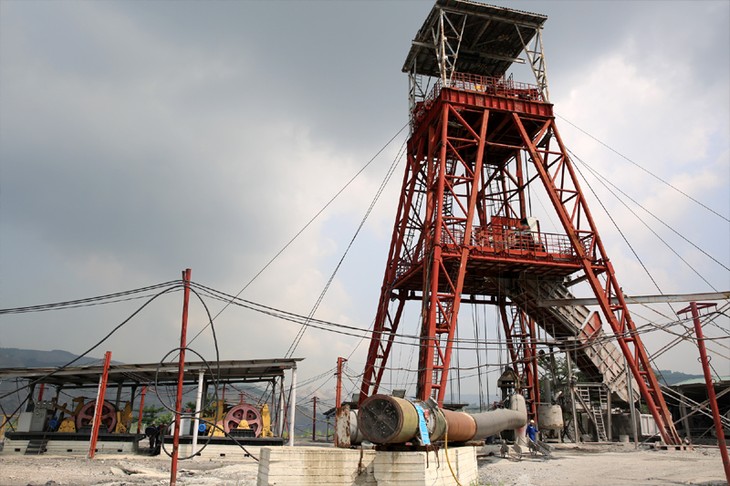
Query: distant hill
point(674, 377)
point(32, 358)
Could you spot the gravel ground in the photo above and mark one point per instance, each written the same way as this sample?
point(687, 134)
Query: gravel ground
point(606, 465)
point(568, 465)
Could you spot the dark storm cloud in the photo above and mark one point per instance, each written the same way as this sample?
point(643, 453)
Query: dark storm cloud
point(137, 138)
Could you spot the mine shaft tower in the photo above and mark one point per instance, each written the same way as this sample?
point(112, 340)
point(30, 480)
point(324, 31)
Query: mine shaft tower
point(480, 145)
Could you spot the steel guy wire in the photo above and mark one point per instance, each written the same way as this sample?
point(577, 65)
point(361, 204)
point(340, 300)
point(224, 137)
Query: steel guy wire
point(668, 184)
point(322, 294)
point(602, 178)
point(357, 174)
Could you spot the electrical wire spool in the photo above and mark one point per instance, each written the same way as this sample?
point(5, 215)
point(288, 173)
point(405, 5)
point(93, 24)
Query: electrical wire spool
point(85, 417)
point(243, 412)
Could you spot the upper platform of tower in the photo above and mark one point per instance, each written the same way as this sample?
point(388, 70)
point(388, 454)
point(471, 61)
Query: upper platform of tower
point(467, 37)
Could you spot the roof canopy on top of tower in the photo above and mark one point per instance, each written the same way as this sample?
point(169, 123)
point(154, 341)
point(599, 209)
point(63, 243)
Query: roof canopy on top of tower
point(478, 39)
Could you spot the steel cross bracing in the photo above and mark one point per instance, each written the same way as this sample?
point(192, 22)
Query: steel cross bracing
point(536, 58)
point(472, 155)
point(447, 36)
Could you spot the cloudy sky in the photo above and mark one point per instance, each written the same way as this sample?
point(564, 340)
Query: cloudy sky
point(141, 138)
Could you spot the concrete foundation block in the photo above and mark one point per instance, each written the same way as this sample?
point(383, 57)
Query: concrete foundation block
point(317, 466)
point(305, 466)
point(421, 468)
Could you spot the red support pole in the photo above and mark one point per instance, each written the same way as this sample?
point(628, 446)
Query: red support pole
point(180, 374)
point(711, 397)
point(141, 409)
point(99, 404)
point(40, 392)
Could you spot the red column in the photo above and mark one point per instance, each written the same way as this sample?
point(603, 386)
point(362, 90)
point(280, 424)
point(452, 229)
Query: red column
point(712, 398)
point(99, 404)
point(180, 374)
point(141, 410)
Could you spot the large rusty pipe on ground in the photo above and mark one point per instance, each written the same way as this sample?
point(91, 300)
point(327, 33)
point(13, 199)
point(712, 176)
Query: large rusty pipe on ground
point(461, 426)
point(383, 419)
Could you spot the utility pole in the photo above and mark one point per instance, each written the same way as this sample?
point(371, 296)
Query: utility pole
point(338, 394)
point(314, 419)
point(180, 374)
point(695, 309)
point(338, 398)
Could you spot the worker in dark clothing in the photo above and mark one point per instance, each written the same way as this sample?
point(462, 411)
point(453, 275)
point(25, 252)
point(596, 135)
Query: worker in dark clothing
point(154, 434)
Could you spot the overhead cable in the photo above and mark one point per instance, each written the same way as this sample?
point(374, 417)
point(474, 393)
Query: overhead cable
point(668, 184)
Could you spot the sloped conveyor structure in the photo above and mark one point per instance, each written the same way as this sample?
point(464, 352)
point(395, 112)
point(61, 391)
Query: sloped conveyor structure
point(575, 327)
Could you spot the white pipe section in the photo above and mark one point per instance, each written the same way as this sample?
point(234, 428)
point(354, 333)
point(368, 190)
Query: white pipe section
point(292, 405)
point(495, 421)
point(198, 403)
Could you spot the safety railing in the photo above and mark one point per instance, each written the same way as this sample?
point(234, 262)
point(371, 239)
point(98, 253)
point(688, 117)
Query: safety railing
point(499, 239)
point(491, 85)
point(498, 86)
point(504, 240)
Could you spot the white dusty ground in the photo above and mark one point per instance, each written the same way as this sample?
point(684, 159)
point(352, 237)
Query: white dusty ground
point(587, 465)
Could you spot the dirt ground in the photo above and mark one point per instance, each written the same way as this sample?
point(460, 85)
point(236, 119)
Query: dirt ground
point(604, 465)
point(568, 465)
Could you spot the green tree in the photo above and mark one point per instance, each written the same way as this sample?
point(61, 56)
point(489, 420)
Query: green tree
point(554, 376)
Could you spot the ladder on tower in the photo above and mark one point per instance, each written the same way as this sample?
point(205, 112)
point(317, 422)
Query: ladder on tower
point(594, 408)
point(602, 405)
point(412, 228)
point(598, 420)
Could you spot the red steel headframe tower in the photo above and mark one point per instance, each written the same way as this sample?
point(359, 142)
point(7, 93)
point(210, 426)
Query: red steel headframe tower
point(481, 145)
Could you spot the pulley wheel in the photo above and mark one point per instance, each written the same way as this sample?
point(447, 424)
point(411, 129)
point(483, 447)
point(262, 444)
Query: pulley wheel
point(85, 417)
point(243, 411)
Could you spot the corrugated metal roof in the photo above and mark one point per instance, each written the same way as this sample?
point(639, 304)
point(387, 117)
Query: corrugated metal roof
point(239, 371)
point(490, 43)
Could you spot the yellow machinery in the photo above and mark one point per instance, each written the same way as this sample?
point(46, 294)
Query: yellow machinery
point(69, 423)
